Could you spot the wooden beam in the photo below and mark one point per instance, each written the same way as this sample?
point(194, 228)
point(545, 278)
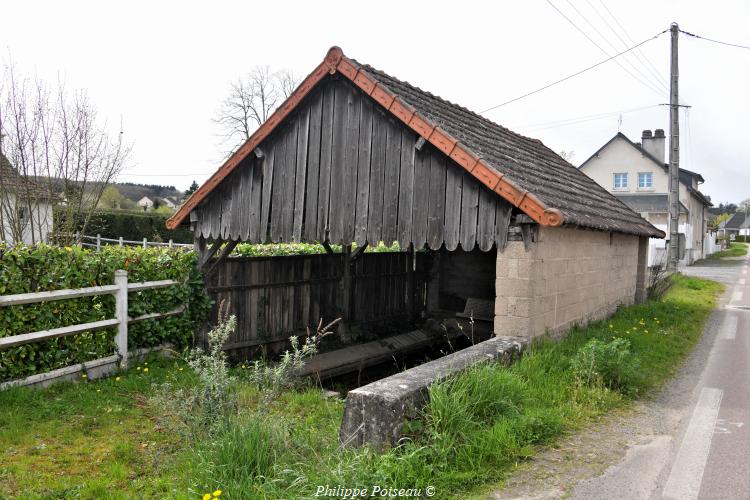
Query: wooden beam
point(420, 143)
point(258, 152)
point(410, 282)
point(64, 331)
point(223, 255)
point(327, 246)
point(358, 252)
point(30, 298)
point(207, 254)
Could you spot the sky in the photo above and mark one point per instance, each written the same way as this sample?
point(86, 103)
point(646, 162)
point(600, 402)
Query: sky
point(163, 68)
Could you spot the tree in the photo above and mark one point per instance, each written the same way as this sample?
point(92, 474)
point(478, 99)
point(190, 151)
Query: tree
point(192, 189)
point(251, 100)
point(111, 199)
point(58, 151)
point(567, 155)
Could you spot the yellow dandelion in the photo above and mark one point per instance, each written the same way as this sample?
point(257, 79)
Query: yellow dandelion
point(117, 379)
point(179, 369)
point(98, 390)
point(138, 368)
point(207, 496)
point(610, 325)
point(145, 370)
point(145, 364)
point(646, 331)
point(84, 376)
point(217, 493)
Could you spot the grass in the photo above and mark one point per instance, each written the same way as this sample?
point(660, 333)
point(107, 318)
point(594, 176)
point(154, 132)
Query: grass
point(100, 440)
point(734, 250)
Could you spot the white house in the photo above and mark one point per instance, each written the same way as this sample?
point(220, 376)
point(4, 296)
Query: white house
point(737, 224)
point(637, 174)
point(169, 202)
point(25, 208)
point(146, 204)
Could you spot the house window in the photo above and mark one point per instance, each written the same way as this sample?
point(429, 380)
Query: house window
point(621, 181)
point(645, 180)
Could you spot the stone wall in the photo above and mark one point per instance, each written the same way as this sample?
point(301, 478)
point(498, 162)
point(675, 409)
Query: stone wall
point(567, 276)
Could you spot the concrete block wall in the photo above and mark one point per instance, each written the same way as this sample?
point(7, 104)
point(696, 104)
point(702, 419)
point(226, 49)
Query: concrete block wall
point(568, 276)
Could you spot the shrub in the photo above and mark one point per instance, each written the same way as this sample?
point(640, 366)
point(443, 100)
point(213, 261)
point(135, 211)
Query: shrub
point(131, 225)
point(610, 364)
point(209, 403)
point(34, 269)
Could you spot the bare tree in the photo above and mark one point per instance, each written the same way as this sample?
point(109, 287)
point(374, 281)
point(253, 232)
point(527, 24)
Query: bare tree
point(54, 152)
point(251, 100)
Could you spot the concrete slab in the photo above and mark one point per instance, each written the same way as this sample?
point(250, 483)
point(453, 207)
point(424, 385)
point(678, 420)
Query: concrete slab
point(375, 413)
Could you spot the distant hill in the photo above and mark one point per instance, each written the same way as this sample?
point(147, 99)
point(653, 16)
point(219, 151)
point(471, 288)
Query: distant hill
point(135, 192)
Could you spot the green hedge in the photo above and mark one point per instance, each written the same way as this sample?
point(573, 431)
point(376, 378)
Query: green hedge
point(132, 226)
point(40, 268)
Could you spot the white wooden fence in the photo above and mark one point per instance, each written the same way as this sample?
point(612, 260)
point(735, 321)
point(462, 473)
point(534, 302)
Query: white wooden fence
point(120, 290)
point(97, 242)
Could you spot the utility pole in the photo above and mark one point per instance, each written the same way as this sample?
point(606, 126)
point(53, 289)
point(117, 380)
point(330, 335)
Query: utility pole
point(674, 156)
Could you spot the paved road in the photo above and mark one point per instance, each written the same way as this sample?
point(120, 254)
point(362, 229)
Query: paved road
point(701, 448)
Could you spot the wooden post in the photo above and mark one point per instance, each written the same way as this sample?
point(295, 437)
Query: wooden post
point(98, 242)
point(410, 284)
point(170, 242)
point(121, 313)
point(145, 243)
point(121, 241)
point(346, 295)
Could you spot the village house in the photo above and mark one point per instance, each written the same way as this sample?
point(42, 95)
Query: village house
point(25, 207)
point(638, 176)
point(146, 203)
point(737, 225)
point(355, 156)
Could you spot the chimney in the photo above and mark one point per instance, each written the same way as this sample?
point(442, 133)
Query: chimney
point(654, 145)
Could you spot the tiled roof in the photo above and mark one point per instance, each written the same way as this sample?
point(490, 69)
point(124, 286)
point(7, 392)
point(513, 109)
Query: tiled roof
point(651, 203)
point(736, 221)
point(11, 181)
point(528, 162)
point(520, 169)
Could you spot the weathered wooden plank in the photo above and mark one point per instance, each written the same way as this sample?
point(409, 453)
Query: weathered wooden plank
point(503, 211)
point(265, 218)
point(486, 219)
point(242, 223)
point(313, 168)
point(31, 298)
point(215, 214)
point(342, 104)
point(350, 166)
point(363, 172)
point(436, 205)
point(300, 178)
point(236, 213)
point(324, 179)
point(290, 169)
point(27, 338)
point(227, 192)
point(406, 187)
point(279, 181)
point(255, 233)
point(421, 195)
point(391, 191)
point(453, 186)
point(469, 209)
point(377, 178)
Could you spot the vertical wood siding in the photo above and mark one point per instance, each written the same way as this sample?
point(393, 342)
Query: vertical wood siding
point(341, 168)
point(276, 297)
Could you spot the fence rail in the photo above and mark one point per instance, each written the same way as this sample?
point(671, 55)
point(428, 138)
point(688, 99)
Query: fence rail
point(119, 289)
point(97, 242)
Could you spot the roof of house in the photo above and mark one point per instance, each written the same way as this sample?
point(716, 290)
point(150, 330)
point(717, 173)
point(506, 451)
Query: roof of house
point(11, 180)
point(522, 170)
point(651, 203)
point(686, 176)
point(736, 221)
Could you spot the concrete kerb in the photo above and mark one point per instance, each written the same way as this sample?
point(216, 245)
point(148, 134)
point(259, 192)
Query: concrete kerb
point(375, 413)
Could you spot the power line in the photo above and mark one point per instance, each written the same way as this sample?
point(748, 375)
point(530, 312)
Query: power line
point(649, 86)
point(627, 35)
point(716, 41)
point(643, 61)
point(647, 78)
point(583, 119)
point(545, 87)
